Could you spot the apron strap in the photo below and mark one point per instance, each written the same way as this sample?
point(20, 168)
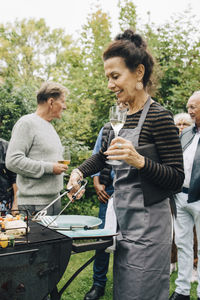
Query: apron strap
point(142, 118)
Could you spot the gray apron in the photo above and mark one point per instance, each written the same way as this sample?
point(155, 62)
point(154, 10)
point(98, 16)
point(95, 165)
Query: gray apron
point(142, 256)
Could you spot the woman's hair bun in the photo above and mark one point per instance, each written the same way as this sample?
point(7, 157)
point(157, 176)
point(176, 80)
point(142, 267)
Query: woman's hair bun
point(131, 36)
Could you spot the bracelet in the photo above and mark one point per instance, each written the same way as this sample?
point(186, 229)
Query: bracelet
point(78, 172)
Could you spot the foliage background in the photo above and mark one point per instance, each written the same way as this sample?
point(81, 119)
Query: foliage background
point(30, 53)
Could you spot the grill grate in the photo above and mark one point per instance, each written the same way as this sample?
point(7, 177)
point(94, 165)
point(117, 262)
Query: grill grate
point(36, 236)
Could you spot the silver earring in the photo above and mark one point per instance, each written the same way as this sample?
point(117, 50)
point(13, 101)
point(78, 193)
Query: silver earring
point(139, 86)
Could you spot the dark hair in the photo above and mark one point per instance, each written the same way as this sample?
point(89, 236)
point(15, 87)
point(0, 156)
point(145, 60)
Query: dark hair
point(133, 49)
point(50, 89)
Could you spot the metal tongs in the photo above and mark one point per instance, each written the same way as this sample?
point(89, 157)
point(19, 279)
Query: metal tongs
point(48, 220)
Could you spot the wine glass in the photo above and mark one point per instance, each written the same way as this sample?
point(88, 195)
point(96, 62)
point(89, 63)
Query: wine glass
point(117, 117)
point(66, 156)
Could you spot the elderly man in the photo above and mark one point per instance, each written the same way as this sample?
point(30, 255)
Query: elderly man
point(35, 149)
point(188, 204)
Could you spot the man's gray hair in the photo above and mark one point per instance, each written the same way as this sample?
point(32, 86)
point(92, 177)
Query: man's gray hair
point(50, 89)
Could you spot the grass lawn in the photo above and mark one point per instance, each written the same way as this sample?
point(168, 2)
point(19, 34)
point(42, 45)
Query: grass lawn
point(83, 282)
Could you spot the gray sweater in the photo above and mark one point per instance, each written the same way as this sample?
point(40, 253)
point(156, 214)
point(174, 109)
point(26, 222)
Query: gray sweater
point(33, 149)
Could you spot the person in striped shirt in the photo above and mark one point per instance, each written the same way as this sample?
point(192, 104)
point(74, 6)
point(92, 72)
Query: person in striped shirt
point(151, 171)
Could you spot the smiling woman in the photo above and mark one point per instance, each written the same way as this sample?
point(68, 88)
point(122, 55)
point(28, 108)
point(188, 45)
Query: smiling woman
point(146, 178)
point(35, 149)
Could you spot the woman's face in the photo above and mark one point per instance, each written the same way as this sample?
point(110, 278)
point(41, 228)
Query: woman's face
point(182, 124)
point(120, 80)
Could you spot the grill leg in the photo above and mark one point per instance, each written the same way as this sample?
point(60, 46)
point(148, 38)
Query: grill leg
point(75, 275)
point(54, 295)
point(46, 298)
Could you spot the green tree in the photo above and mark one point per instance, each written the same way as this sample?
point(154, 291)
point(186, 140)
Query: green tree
point(127, 15)
point(30, 52)
point(14, 102)
point(176, 47)
point(89, 97)
point(95, 37)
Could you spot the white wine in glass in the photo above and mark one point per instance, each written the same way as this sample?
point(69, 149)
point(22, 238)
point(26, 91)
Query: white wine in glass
point(117, 117)
point(66, 156)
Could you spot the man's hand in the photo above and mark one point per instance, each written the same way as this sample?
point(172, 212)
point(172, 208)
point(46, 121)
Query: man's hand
point(100, 190)
point(14, 204)
point(59, 168)
point(15, 209)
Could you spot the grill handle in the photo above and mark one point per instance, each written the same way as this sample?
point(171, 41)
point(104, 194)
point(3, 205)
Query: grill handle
point(98, 245)
point(19, 252)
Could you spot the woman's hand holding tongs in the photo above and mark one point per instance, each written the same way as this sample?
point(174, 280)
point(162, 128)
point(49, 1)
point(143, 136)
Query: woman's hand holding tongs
point(75, 182)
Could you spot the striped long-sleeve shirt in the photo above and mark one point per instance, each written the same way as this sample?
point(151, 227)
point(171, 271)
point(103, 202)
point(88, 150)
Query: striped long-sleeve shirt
point(158, 129)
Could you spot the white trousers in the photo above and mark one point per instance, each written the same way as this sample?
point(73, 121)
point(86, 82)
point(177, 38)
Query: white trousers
point(188, 215)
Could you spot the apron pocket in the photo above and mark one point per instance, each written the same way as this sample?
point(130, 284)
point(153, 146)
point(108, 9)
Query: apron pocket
point(131, 213)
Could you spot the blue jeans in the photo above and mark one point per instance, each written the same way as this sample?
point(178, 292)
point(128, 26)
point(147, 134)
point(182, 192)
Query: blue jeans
point(188, 215)
point(101, 262)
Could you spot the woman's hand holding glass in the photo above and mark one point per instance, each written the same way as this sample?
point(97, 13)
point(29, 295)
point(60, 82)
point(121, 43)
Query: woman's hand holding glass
point(124, 150)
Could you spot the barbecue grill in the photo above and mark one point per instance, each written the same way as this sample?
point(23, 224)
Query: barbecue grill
point(33, 267)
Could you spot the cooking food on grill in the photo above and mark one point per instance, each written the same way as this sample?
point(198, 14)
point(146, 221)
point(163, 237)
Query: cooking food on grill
point(13, 225)
point(3, 240)
point(9, 217)
point(40, 259)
